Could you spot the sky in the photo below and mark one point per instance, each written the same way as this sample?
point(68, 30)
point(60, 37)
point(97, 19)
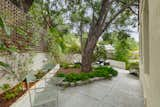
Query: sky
point(135, 33)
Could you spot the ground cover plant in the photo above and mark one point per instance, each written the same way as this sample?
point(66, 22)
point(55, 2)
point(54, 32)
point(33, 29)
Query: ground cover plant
point(102, 71)
point(66, 65)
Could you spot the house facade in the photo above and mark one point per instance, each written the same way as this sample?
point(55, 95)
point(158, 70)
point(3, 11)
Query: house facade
point(150, 51)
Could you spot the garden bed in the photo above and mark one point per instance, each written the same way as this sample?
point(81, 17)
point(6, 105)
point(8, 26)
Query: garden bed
point(73, 76)
point(18, 96)
point(10, 96)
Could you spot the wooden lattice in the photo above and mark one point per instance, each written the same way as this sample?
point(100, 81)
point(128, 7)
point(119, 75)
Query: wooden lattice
point(14, 15)
point(15, 18)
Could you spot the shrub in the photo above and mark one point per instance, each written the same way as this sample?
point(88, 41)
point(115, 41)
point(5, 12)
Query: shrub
point(5, 87)
point(112, 71)
point(133, 65)
point(64, 65)
point(99, 53)
point(97, 72)
point(72, 77)
point(91, 75)
point(18, 89)
point(10, 94)
point(101, 68)
point(77, 65)
point(83, 76)
point(60, 75)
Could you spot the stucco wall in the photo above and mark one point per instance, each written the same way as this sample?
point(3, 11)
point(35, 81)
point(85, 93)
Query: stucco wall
point(151, 78)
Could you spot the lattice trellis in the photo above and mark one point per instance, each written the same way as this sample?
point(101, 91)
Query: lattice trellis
point(16, 18)
point(14, 15)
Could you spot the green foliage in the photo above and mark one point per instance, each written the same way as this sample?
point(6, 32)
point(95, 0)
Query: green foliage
point(2, 64)
point(60, 44)
point(99, 53)
point(5, 87)
point(112, 71)
point(9, 95)
point(97, 72)
point(7, 30)
point(18, 89)
point(60, 75)
point(40, 74)
point(109, 38)
point(73, 77)
point(133, 65)
point(66, 65)
point(77, 65)
point(13, 93)
point(122, 52)
point(4, 27)
point(72, 44)
point(122, 47)
point(123, 43)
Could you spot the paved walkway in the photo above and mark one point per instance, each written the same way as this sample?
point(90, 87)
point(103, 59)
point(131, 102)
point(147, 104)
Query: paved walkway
point(121, 91)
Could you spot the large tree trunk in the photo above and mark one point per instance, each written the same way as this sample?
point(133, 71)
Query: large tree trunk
point(89, 48)
point(87, 55)
point(95, 32)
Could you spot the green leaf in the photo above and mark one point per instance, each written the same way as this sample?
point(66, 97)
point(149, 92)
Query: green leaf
point(12, 49)
point(1, 23)
point(7, 30)
point(4, 27)
point(3, 64)
point(21, 32)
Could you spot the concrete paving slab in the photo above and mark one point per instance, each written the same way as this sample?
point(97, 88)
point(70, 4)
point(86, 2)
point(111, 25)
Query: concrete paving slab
point(122, 91)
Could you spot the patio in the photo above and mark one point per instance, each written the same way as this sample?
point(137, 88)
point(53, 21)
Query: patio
point(122, 91)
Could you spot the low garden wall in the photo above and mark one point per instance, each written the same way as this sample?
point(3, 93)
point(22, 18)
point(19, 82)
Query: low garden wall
point(29, 96)
point(118, 64)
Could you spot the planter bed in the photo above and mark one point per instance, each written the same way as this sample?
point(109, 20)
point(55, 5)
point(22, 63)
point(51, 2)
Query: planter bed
point(79, 83)
point(77, 78)
point(6, 103)
point(22, 98)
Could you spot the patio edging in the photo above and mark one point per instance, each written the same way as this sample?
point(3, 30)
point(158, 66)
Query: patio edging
point(79, 83)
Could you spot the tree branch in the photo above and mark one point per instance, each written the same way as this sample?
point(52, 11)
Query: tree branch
point(103, 12)
point(116, 15)
point(132, 11)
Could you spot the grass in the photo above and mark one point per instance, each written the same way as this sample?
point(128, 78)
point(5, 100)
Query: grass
point(97, 72)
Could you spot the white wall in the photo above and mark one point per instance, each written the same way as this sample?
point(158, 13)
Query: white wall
point(150, 65)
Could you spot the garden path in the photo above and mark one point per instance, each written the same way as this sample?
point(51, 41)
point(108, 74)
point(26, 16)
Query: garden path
point(122, 91)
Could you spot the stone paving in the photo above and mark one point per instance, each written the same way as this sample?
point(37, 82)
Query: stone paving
point(122, 91)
